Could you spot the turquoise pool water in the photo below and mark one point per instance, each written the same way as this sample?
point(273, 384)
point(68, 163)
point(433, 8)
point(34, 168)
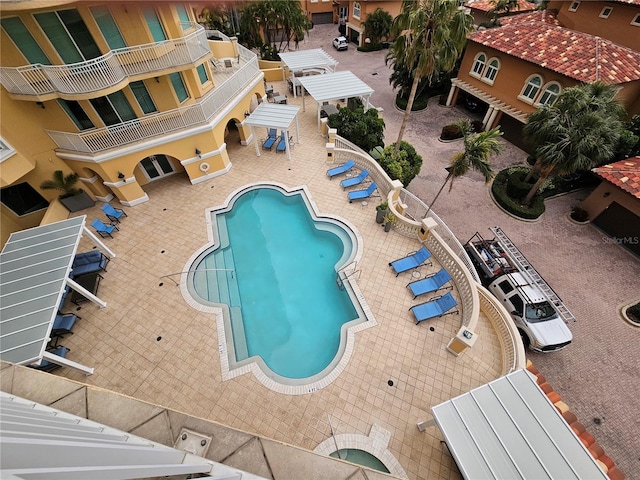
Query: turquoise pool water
point(275, 267)
point(360, 457)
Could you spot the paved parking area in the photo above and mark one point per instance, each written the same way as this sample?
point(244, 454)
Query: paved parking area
point(598, 374)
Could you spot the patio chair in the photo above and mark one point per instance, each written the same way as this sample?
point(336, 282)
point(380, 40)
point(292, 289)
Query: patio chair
point(360, 194)
point(271, 139)
point(430, 284)
point(113, 214)
point(46, 365)
point(436, 307)
point(411, 261)
point(63, 324)
point(340, 169)
point(282, 144)
point(228, 63)
point(351, 182)
point(102, 229)
point(88, 262)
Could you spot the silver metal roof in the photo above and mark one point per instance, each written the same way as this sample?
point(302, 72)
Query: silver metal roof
point(508, 428)
point(34, 267)
point(307, 59)
point(272, 115)
point(333, 86)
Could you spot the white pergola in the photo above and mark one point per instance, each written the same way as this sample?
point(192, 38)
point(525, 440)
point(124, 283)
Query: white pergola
point(274, 115)
point(508, 428)
point(334, 86)
point(34, 272)
point(306, 61)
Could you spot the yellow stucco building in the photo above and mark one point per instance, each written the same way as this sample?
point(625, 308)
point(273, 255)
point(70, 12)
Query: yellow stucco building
point(123, 94)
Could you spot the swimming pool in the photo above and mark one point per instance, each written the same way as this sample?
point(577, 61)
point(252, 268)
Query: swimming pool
point(273, 264)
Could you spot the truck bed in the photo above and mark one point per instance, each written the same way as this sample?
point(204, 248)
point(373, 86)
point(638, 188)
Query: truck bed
point(489, 256)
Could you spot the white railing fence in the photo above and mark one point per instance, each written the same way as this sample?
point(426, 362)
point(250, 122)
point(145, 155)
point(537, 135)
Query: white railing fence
point(109, 69)
point(154, 125)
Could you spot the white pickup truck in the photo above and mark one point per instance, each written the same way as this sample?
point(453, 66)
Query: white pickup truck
point(536, 310)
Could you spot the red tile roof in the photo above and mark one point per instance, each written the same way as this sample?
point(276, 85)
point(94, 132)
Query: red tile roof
point(537, 38)
point(624, 174)
point(486, 5)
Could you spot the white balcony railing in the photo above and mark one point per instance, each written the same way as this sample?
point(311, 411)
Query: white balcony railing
point(108, 70)
point(149, 126)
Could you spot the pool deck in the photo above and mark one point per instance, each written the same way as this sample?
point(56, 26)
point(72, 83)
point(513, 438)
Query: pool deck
point(149, 344)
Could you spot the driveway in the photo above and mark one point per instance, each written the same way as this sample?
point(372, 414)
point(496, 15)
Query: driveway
point(597, 375)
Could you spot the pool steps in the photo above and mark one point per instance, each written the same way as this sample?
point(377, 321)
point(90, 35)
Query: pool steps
point(222, 286)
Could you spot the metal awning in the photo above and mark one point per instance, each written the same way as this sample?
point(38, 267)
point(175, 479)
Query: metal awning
point(304, 61)
point(334, 86)
point(508, 428)
point(274, 115)
point(34, 272)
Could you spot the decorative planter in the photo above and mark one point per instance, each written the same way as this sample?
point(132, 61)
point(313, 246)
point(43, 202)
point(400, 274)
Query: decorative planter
point(387, 226)
point(380, 214)
point(78, 202)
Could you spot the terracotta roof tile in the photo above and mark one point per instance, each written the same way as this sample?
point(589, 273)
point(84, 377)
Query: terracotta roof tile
point(486, 5)
point(624, 174)
point(536, 38)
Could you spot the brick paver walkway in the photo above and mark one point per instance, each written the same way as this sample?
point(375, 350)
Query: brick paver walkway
point(598, 374)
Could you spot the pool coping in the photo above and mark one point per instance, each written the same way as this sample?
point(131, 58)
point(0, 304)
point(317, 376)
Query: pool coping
point(255, 364)
point(376, 444)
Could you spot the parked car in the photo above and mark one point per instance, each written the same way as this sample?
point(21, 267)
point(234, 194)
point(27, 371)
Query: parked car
point(340, 43)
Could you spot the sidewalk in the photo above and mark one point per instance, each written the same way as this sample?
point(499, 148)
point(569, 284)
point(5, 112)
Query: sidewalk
point(596, 375)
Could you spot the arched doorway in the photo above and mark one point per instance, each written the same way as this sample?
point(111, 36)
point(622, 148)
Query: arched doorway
point(155, 167)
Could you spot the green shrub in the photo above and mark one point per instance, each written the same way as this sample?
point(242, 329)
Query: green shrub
point(517, 188)
point(451, 132)
point(419, 103)
point(365, 129)
point(404, 166)
point(499, 190)
point(633, 313)
point(370, 47)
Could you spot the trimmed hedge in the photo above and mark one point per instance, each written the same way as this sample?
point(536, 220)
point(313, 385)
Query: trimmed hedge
point(517, 188)
point(451, 132)
point(370, 47)
point(499, 190)
point(420, 103)
point(633, 313)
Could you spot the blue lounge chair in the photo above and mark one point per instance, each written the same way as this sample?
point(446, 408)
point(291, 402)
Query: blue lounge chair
point(339, 170)
point(113, 214)
point(63, 324)
point(282, 144)
point(271, 139)
point(411, 261)
point(350, 182)
point(436, 307)
point(430, 284)
point(103, 229)
point(366, 193)
point(46, 365)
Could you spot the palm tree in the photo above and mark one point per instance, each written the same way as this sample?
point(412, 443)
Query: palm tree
point(431, 35)
point(580, 130)
point(478, 148)
point(277, 20)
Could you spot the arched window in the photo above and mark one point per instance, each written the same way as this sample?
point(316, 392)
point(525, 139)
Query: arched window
point(549, 94)
point(491, 71)
point(531, 88)
point(478, 65)
point(356, 9)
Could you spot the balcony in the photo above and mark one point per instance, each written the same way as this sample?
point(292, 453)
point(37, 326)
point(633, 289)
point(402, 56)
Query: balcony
point(43, 82)
point(158, 124)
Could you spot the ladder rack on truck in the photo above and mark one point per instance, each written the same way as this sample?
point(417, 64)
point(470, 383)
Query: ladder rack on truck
point(523, 266)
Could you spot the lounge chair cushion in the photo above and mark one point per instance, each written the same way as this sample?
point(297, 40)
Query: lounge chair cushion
point(435, 308)
point(360, 194)
point(411, 261)
point(339, 170)
point(430, 284)
point(89, 262)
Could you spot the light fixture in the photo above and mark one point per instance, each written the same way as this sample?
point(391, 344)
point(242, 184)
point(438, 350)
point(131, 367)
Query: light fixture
point(40, 104)
point(246, 114)
point(606, 194)
point(121, 177)
point(198, 153)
